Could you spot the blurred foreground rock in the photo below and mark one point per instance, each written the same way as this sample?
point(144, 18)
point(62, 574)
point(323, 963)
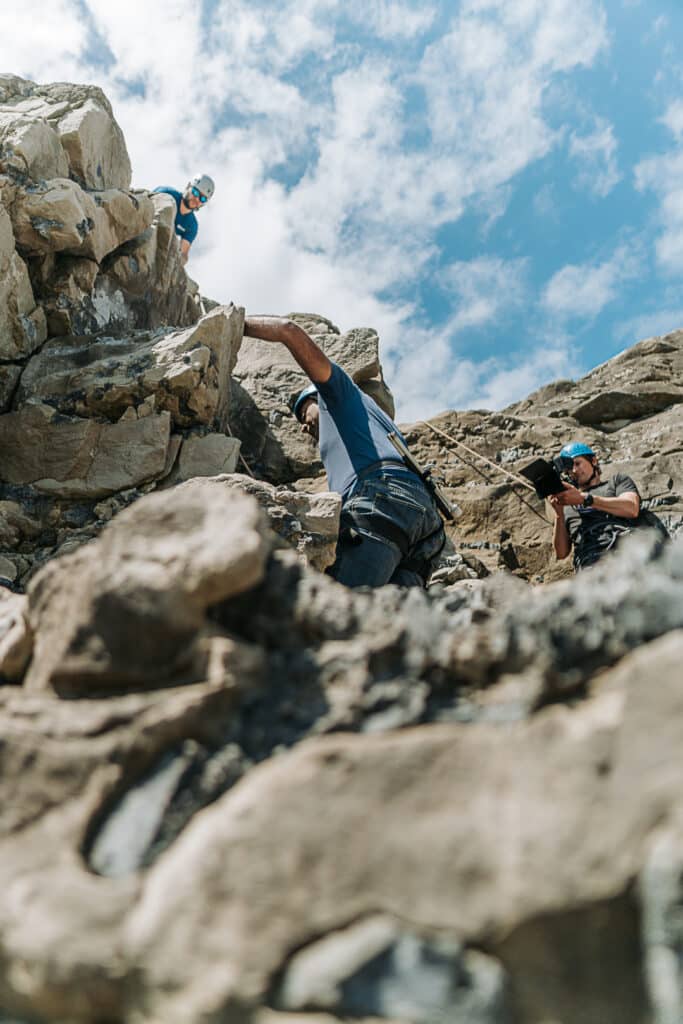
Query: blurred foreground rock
point(530, 820)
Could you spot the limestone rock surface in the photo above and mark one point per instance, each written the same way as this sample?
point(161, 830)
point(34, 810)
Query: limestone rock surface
point(99, 255)
point(507, 853)
point(140, 285)
point(643, 380)
point(184, 372)
point(81, 118)
point(59, 216)
point(205, 455)
point(308, 523)
point(144, 284)
point(156, 569)
point(78, 457)
point(30, 146)
point(22, 323)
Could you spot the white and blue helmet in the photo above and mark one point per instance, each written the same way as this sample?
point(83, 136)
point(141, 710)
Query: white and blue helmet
point(310, 391)
point(204, 184)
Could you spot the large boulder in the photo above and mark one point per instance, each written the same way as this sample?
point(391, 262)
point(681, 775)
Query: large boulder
point(30, 147)
point(508, 848)
point(59, 216)
point(94, 143)
point(308, 523)
point(202, 455)
point(141, 285)
point(22, 323)
point(80, 116)
point(126, 611)
point(81, 458)
point(144, 283)
point(186, 373)
point(179, 589)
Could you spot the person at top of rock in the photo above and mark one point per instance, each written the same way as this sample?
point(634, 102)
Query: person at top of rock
point(591, 515)
point(390, 529)
point(197, 193)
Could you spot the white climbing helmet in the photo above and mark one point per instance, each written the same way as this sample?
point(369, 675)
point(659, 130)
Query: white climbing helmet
point(204, 184)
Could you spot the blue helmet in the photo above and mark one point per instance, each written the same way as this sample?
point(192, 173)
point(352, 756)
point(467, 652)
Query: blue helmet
point(310, 391)
point(576, 448)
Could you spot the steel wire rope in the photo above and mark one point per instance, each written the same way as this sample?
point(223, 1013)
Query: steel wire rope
point(497, 468)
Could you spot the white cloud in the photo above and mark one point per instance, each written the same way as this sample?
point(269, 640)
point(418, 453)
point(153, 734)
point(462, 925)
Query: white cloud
point(446, 381)
point(664, 176)
point(545, 203)
point(393, 20)
point(325, 200)
point(483, 289)
point(578, 291)
point(506, 384)
point(45, 38)
point(596, 154)
point(485, 80)
point(650, 325)
point(560, 34)
point(673, 119)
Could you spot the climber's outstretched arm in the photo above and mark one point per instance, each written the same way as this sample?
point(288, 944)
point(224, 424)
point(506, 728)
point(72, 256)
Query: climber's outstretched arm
point(310, 358)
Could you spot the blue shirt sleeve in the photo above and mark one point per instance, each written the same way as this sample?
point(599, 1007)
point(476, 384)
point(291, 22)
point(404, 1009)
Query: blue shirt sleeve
point(337, 388)
point(169, 192)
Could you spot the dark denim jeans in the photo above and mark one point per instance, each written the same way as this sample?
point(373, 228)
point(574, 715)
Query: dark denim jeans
point(390, 532)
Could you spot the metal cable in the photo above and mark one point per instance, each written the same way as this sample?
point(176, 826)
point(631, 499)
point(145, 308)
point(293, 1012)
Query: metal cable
point(495, 466)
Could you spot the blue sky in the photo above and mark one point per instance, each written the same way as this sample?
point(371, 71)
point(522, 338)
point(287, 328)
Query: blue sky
point(495, 185)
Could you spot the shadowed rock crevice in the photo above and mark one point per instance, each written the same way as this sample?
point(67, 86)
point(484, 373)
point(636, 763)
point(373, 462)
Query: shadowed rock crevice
point(152, 812)
point(385, 969)
point(594, 951)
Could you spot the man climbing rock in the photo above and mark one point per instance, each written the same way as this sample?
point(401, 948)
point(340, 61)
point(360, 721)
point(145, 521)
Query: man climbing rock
point(391, 530)
point(196, 195)
point(591, 514)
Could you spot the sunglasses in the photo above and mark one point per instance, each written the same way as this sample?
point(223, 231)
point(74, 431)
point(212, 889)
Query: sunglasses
point(199, 195)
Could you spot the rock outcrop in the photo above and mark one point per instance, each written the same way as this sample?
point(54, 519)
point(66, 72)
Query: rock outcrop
point(629, 410)
point(235, 791)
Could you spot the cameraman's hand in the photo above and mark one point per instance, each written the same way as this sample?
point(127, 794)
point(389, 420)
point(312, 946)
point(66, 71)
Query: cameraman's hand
point(569, 496)
point(556, 504)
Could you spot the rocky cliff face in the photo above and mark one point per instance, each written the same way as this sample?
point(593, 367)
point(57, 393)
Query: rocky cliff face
point(629, 410)
point(234, 791)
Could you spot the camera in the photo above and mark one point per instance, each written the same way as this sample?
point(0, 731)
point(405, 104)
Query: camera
point(547, 476)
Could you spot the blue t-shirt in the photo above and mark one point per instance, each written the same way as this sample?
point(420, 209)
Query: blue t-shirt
point(185, 223)
point(353, 432)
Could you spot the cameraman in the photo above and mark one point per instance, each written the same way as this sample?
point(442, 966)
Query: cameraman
point(591, 515)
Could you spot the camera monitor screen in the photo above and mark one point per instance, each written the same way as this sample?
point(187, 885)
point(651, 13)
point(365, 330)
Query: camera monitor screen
point(544, 477)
